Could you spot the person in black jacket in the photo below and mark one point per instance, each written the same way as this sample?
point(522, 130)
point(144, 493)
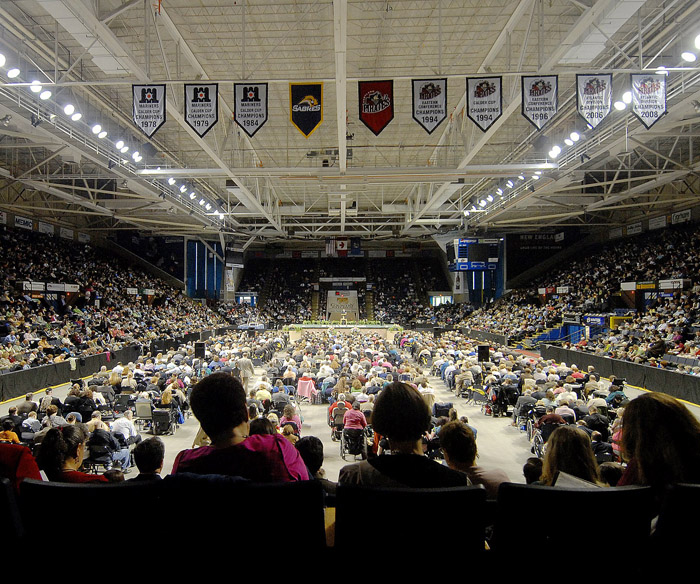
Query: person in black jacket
point(105, 447)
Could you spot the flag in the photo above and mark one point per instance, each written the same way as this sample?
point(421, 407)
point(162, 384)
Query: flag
point(376, 103)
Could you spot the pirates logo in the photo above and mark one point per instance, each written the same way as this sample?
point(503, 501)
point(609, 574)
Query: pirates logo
point(374, 102)
point(594, 86)
point(649, 85)
point(484, 89)
point(430, 91)
point(540, 87)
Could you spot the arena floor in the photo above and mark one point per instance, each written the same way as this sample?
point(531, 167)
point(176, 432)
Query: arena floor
point(500, 445)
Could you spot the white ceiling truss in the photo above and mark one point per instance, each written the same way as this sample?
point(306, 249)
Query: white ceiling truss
point(342, 180)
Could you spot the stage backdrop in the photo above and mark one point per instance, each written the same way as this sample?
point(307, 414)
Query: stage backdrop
point(342, 300)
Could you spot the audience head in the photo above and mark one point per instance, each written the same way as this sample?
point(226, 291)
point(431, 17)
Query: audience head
point(661, 441)
point(569, 450)
point(458, 444)
point(218, 401)
point(149, 455)
point(532, 470)
point(262, 426)
point(60, 445)
point(400, 413)
point(311, 450)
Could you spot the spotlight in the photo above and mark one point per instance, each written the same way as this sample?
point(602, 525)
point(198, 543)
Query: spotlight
point(569, 142)
point(192, 195)
point(69, 109)
point(575, 136)
point(697, 42)
point(689, 56)
point(538, 172)
point(183, 188)
point(6, 120)
point(139, 158)
point(171, 181)
point(45, 95)
point(627, 97)
point(499, 191)
point(620, 105)
point(76, 116)
point(102, 134)
point(35, 86)
point(12, 73)
point(221, 215)
point(661, 70)
point(466, 213)
point(489, 198)
point(521, 177)
point(201, 202)
point(509, 184)
point(207, 207)
point(119, 144)
point(482, 203)
point(96, 129)
point(535, 177)
point(135, 154)
point(555, 151)
point(3, 60)
point(124, 149)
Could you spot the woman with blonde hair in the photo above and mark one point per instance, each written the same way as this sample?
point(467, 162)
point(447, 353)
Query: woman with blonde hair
point(569, 450)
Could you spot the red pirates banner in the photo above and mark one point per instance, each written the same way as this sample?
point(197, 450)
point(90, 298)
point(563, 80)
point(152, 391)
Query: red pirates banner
point(376, 101)
point(306, 106)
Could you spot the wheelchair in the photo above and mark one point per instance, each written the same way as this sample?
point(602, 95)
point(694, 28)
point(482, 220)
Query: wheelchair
point(353, 442)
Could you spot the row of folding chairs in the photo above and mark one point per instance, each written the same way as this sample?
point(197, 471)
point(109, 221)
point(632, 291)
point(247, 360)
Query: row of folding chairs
point(521, 519)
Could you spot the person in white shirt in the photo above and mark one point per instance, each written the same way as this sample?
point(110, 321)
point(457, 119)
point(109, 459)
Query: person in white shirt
point(125, 426)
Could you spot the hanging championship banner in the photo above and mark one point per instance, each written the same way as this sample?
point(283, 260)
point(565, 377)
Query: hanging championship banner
point(484, 100)
point(250, 106)
point(149, 107)
point(593, 97)
point(429, 102)
point(539, 99)
point(306, 106)
point(648, 97)
point(376, 103)
point(201, 106)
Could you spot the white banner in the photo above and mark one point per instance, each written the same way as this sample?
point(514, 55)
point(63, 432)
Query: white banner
point(539, 96)
point(429, 102)
point(3, 218)
point(230, 285)
point(71, 287)
point(593, 97)
point(24, 222)
point(680, 217)
point(484, 100)
point(149, 107)
point(634, 228)
point(132, 291)
point(648, 97)
point(250, 106)
point(55, 287)
point(202, 106)
point(657, 222)
point(45, 228)
point(83, 237)
point(66, 233)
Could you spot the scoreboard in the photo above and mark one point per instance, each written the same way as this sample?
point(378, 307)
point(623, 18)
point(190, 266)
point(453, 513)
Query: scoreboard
point(467, 254)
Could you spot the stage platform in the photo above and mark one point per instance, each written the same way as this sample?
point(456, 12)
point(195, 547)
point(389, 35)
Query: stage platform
point(384, 331)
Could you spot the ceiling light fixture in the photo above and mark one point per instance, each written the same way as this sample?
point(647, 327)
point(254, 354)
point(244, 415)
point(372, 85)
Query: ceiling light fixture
point(627, 97)
point(35, 86)
point(192, 195)
point(689, 56)
point(102, 134)
point(171, 181)
point(69, 109)
point(76, 116)
point(3, 60)
point(119, 144)
point(12, 73)
point(575, 136)
point(45, 94)
point(96, 129)
point(620, 105)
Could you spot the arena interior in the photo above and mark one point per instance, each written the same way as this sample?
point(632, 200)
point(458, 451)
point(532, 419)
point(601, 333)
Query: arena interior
point(433, 261)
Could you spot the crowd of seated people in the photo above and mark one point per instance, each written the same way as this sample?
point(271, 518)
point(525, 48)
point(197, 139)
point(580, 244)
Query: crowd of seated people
point(101, 316)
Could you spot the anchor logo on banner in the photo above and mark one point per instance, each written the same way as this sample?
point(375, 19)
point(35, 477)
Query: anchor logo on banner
point(201, 107)
point(250, 106)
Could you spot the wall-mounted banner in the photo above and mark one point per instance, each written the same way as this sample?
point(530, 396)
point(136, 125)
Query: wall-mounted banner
point(65, 233)
point(149, 107)
point(681, 217)
point(634, 228)
point(45, 228)
point(429, 102)
point(250, 106)
point(201, 106)
point(648, 97)
point(657, 222)
point(83, 237)
point(24, 222)
point(593, 97)
point(376, 104)
point(306, 106)
point(3, 218)
point(540, 99)
point(484, 100)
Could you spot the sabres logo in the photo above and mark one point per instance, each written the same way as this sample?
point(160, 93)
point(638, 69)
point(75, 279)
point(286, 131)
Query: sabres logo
point(307, 104)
